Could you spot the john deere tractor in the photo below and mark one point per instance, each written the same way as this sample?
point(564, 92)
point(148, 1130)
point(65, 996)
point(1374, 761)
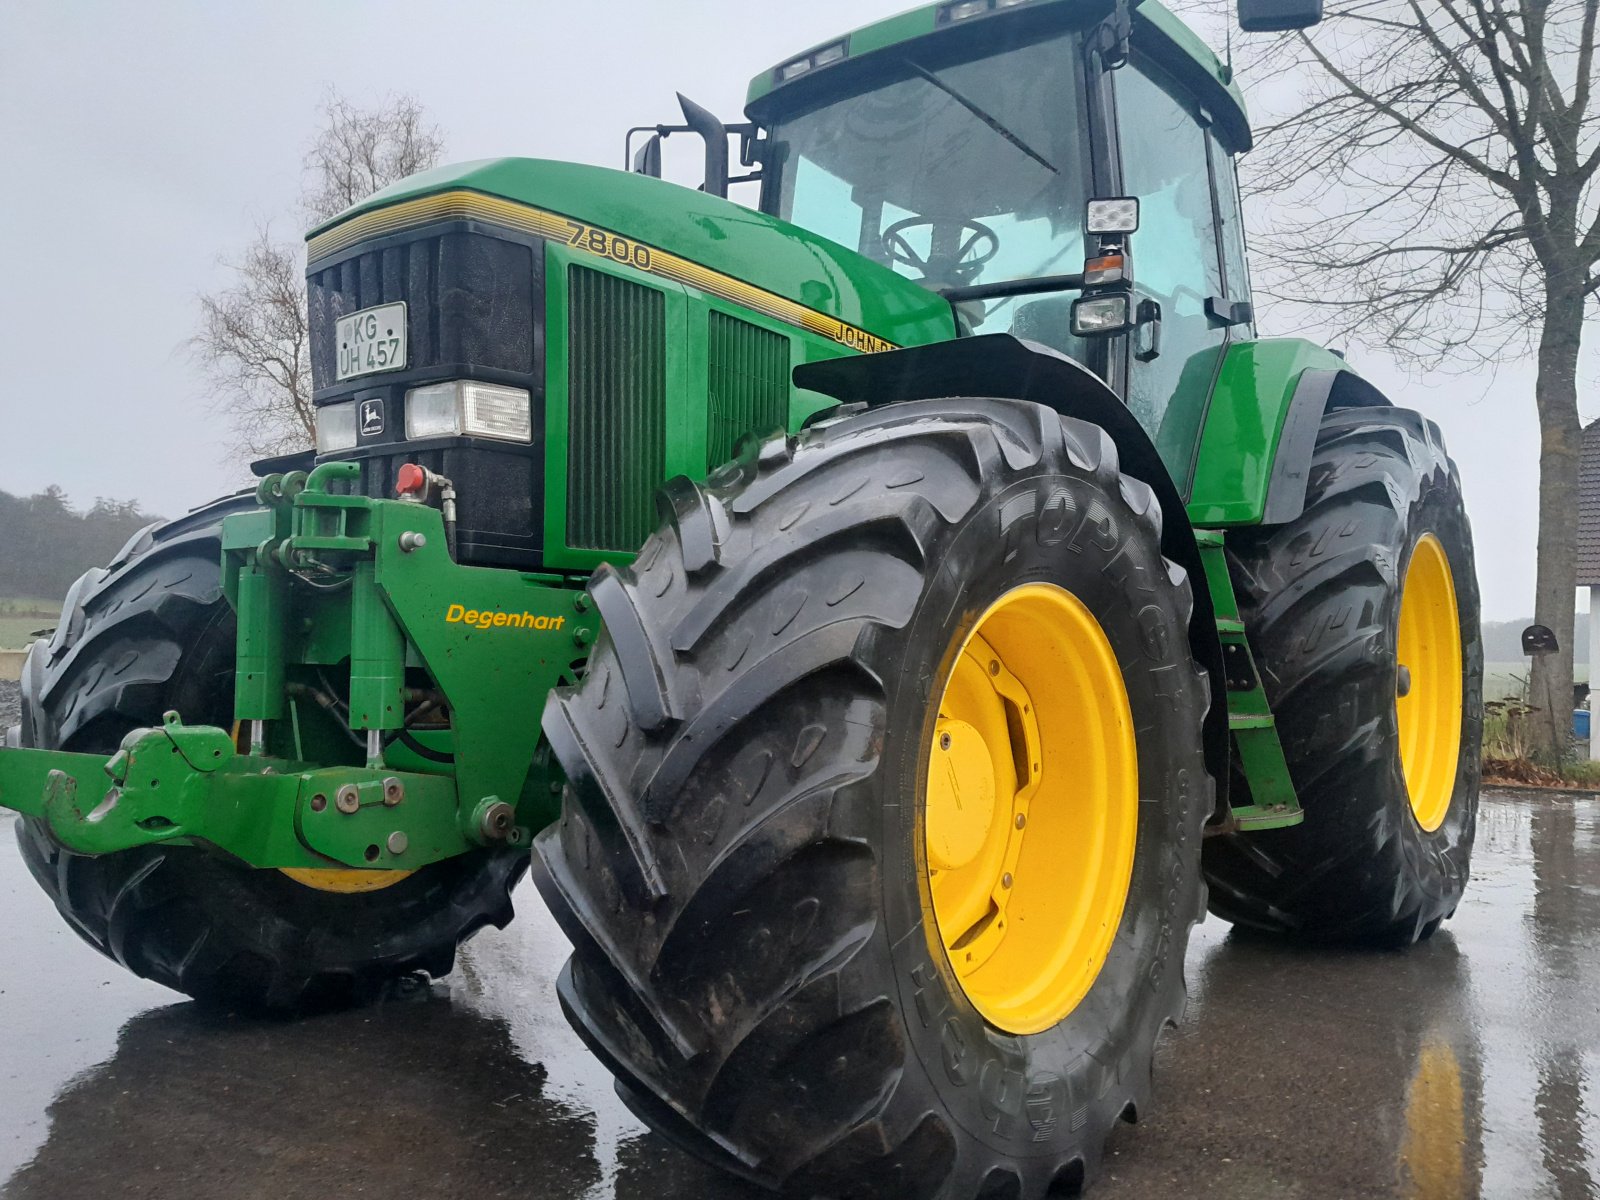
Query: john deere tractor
point(883, 617)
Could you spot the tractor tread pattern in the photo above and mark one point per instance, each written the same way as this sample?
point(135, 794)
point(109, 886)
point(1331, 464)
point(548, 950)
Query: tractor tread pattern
point(153, 632)
point(1320, 597)
point(706, 974)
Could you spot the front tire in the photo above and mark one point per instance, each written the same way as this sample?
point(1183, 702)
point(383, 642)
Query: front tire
point(743, 860)
point(152, 633)
point(1383, 751)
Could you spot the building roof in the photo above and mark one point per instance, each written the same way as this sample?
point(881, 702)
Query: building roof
point(1589, 508)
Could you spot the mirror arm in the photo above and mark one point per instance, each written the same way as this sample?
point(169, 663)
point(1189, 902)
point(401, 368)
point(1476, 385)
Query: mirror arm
point(1013, 287)
point(715, 135)
point(634, 162)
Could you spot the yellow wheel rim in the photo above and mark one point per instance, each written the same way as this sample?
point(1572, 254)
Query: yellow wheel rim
point(1428, 694)
point(1031, 809)
point(344, 883)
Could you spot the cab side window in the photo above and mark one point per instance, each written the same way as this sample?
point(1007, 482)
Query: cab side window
point(1177, 261)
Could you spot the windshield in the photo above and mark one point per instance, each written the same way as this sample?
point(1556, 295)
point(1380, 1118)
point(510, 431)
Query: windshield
point(953, 173)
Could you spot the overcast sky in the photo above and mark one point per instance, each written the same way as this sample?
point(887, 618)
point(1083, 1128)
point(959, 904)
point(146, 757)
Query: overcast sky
point(140, 142)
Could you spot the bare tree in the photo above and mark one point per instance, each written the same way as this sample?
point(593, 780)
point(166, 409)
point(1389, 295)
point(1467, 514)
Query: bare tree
point(254, 338)
point(361, 150)
point(255, 341)
point(1432, 189)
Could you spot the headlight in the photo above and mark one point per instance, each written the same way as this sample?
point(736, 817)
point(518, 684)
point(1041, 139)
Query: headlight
point(1101, 316)
point(463, 408)
point(336, 428)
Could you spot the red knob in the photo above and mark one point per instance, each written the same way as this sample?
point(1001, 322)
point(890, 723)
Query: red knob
point(411, 481)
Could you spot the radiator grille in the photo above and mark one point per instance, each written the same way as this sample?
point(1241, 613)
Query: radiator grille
point(470, 299)
point(617, 385)
point(749, 384)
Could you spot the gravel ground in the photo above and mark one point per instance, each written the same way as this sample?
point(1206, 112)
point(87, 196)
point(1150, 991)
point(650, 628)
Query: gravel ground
point(10, 705)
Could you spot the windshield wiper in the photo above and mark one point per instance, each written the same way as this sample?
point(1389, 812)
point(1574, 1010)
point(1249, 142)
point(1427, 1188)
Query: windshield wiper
point(978, 111)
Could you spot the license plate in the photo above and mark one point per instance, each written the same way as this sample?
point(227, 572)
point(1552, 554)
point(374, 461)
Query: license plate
point(371, 340)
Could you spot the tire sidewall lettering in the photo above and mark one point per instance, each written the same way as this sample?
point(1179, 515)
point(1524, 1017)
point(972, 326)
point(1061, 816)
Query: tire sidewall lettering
point(1009, 1091)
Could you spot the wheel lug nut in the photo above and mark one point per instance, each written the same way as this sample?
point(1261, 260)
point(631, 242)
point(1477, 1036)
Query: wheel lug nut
point(994, 666)
point(1022, 819)
point(944, 741)
point(1402, 685)
point(1006, 880)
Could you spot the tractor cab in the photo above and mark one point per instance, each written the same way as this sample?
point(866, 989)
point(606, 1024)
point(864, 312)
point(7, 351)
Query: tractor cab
point(961, 146)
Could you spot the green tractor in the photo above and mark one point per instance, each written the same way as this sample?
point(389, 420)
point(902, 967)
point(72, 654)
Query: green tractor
point(884, 618)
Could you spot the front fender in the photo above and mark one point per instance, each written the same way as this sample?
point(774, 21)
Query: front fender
point(1006, 367)
point(1261, 430)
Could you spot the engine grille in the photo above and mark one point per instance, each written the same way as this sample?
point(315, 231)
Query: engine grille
point(616, 440)
point(749, 384)
point(474, 310)
point(471, 300)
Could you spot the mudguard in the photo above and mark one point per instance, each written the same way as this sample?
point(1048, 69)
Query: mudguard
point(1006, 367)
point(1261, 429)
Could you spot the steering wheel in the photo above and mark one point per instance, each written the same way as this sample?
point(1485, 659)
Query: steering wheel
point(977, 246)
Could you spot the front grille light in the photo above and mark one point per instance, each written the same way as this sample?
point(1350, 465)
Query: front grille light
point(467, 408)
point(336, 427)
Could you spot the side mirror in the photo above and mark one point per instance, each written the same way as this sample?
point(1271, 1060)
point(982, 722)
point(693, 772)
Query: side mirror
point(648, 160)
point(1273, 16)
point(715, 134)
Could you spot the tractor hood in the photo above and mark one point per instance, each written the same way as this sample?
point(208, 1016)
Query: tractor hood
point(740, 252)
point(556, 340)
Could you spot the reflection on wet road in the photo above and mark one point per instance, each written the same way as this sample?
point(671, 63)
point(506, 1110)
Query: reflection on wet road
point(1468, 1067)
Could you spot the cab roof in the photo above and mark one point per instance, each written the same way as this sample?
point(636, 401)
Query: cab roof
point(1155, 27)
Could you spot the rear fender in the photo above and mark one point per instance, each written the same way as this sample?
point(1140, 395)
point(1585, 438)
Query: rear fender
point(1003, 366)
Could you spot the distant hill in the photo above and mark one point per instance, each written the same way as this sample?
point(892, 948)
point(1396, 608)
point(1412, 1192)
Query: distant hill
point(46, 543)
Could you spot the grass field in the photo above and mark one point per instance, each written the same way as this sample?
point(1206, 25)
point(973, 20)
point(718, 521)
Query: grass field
point(1506, 680)
point(16, 632)
point(23, 616)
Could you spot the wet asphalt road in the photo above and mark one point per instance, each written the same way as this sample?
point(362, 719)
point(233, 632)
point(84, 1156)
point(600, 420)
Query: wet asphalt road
point(1468, 1067)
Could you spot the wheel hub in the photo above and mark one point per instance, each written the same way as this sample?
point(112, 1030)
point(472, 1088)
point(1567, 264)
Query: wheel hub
point(1428, 687)
point(961, 796)
point(1030, 808)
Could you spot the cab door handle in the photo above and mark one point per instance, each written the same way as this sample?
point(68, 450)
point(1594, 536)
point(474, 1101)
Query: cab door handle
point(1147, 331)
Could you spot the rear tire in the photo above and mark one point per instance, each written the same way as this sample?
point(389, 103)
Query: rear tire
point(152, 633)
point(740, 861)
point(1321, 599)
